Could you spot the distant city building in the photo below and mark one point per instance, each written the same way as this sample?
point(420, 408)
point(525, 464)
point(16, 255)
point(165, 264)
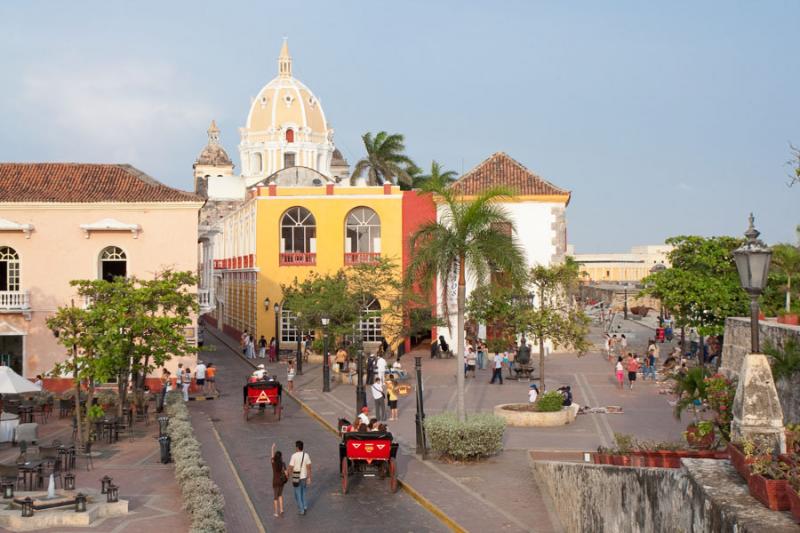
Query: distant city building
point(65, 221)
point(630, 267)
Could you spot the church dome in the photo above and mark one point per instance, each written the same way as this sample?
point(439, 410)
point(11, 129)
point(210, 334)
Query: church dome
point(286, 103)
point(213, 154)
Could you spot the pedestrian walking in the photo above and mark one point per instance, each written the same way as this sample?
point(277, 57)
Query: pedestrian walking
point(379, 398)
point(380, 367)
point(279, 479)
point(607, 345)
point(481, 355)
point(200, 376)
point(619, 371)
point(250, 349)
point(497, 373)
point(391, 395)
point(290, 376)
point(243, 342)
point(164, 389)
point(186, 382)
point(262, 347)
point(633, 368)
point(299, 470)
point(649, 367)
point(273, 350)
point(211, 378)
point(472, 360)
point(341, 358)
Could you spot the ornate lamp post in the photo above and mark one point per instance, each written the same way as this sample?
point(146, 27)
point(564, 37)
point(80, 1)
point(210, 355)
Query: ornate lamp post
point(27, 507)
point(8, 490)
point(277, 309)
point(69, 481)
point(326, 365)
point(752, 262)
point(113, 494)
point(80, 503)
point(105, 482)
point(625, 303)
point(422, 446)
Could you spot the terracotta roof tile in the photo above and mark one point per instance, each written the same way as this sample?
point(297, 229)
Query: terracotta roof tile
point(83, 182)
point(499, 170)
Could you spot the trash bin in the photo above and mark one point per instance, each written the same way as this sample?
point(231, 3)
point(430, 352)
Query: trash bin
point(164, 443)
point(163, 422)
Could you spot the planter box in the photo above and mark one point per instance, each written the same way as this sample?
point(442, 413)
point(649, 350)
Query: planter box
point(739, 461)
point(790, 319)
point(601, 458)
point(621, 460)
point(536, 419)
point(794, 502)
point(770, 492)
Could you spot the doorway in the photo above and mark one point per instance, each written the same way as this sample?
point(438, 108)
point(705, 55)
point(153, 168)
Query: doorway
point(11, 352)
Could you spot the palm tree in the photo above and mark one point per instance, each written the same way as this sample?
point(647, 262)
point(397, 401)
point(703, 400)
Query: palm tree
point(438, 174)
point(470, 236)
point(385, 160)
point(786, 259)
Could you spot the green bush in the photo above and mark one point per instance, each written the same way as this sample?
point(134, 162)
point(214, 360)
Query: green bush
point(202, 498)
point(480, 436)
point(549, 402)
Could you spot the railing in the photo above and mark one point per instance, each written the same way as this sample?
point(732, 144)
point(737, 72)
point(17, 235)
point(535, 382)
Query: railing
point(298, 259)
point(358, 258)
point(204, 297)
point(14, 300)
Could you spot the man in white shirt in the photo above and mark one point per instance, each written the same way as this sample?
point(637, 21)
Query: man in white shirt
point(200, 375)
point(363, 416)
point(379, 398)
point(259, 372)
point(299, 471)
point(380, 367)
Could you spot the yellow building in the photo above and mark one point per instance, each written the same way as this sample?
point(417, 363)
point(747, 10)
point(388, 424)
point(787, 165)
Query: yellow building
point(629, 267)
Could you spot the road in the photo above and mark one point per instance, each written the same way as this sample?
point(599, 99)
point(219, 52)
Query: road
point(368, 506)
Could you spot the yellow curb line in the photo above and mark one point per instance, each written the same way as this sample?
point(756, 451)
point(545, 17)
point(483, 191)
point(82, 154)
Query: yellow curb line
point(420, 499)
point(239, 482)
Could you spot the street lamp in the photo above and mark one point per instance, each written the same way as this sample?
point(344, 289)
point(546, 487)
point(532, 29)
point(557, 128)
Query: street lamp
point(298, 332)
point(266, 303)
point(752, 262)
point(277, 308)
point(625, 303)
point(422, 446)
point(326, 368)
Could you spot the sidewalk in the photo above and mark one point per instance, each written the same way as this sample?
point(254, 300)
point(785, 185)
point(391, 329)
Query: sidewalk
point(149, 486)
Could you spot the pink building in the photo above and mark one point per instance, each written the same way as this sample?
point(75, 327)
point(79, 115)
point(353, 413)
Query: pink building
point(65, 221)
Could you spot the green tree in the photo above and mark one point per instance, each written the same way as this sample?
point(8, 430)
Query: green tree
point(785, 265)
point(702, 286)
point(385, 161)
point(437, 175)
point(471, 235)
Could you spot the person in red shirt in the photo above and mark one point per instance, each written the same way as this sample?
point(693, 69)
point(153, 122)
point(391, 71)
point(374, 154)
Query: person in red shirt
point(633, 368)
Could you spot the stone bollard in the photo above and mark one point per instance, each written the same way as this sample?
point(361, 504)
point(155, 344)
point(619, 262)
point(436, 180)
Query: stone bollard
point(756, 408)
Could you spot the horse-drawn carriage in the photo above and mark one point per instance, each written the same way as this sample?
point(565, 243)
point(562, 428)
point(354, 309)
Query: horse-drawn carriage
point(259, 393)
point(368, 454)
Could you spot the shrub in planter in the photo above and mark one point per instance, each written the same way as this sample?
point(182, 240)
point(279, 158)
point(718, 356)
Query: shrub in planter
point(480, 436)
point(550, 402)
point(793, 493)
point(743, 453)
point(700, 435)
point(768, 483)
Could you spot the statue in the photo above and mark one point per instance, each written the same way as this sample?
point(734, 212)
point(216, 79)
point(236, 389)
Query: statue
point(523, 352)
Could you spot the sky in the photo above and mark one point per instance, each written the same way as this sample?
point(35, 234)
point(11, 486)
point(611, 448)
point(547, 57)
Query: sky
point(662, 118)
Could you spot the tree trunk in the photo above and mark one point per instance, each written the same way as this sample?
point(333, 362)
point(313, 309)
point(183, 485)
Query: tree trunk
point(89, 402)
point(77, 395)
point(462, 296)
point(683, 341)
point(788, 294)
point(541, 364)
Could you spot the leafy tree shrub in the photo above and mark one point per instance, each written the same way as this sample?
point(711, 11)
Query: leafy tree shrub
point(549, 402)
point(481, 435)
point(202, 498)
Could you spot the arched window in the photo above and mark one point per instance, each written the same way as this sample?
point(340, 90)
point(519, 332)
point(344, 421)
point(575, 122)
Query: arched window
point(9, 269)
point(290, 135)
point(369, 325)
point(298, 237)
point(362, 243)
point(113, 263)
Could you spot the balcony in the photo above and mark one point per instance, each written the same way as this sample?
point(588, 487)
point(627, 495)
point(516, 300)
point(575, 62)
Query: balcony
point(15, 301)
point(205, 300)
point(360, 258)
point(298, 259)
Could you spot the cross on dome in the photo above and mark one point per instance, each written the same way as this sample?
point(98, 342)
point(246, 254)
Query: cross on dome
point(285, 60)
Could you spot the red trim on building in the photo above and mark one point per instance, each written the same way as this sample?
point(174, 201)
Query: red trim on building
point(273, 189)
point(387, 188)
point(418, 209)
point(329, 189)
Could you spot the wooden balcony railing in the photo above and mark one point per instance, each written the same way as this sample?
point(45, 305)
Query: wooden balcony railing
point(358, 258)
point(298, 259)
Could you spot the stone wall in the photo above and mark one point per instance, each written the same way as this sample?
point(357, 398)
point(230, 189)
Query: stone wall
point(736, 345)
point(703, 496)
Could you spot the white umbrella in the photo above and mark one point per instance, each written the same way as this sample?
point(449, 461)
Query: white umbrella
point(13, 383)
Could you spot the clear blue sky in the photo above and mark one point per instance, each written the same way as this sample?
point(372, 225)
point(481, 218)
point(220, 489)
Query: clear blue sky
point(662, 119)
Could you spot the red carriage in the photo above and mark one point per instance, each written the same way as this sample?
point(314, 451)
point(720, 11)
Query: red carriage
point(258, 394)
point(369, 455)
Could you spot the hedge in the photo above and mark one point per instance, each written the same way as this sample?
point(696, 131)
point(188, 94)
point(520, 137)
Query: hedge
point(550, 402)
point(480, 436)
point(202, 498)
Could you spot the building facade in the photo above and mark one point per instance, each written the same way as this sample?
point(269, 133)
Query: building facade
point(63, 221)
point(630, 267)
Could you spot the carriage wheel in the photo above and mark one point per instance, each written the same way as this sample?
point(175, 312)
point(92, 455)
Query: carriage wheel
point(345, 473)
point(392, 475)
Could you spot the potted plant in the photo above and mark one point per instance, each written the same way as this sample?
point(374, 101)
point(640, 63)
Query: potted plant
point(744, 452)
point(700, 434)
point(768, 482)
point(790, 319)
point(602, 456)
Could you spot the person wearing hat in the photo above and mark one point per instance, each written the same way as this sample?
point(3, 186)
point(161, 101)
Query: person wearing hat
point(260, 372)
point(533, 393)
